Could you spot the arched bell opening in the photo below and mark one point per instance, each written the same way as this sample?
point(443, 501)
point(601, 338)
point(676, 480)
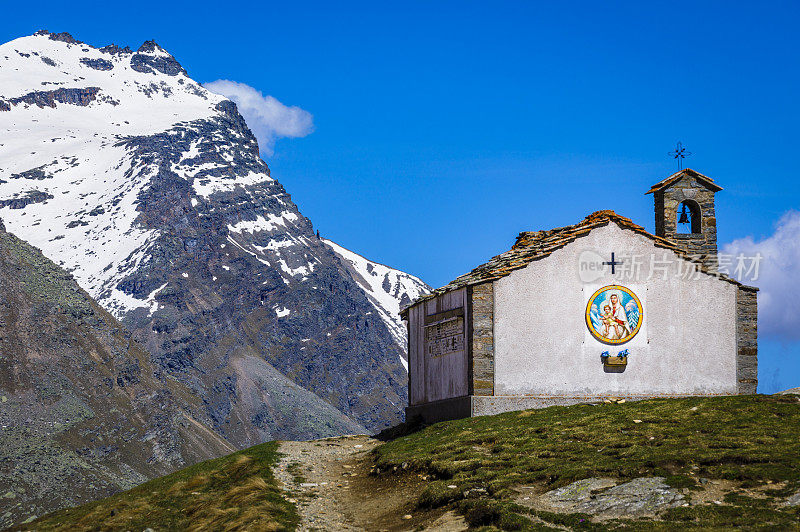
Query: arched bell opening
point(688, 217)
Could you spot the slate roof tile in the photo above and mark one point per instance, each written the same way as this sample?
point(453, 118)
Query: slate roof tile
point(665, 183)
point(535, 245)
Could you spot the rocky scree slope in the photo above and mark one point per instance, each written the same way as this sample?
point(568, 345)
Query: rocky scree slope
point(81, 414)
point(150, 190)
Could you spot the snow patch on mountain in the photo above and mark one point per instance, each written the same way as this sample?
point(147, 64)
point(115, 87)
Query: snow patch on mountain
point(388, 289)
point(270, 223)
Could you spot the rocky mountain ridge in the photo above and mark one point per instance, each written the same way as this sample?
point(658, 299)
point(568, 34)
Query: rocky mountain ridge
point(150, 190)
point(388, 289)
point(81, 414)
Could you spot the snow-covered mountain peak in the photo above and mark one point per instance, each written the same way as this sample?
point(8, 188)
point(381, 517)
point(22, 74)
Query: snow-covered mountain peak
point(150, 190)
point(72, 169)
point(148, 87)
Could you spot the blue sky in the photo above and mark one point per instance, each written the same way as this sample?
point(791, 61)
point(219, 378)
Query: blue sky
point(443, 129)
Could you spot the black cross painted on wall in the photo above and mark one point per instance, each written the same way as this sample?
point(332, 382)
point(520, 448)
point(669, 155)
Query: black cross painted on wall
point(613, 263)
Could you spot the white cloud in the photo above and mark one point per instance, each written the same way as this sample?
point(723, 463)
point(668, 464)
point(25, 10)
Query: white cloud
point(266, 117)
point(778, 277)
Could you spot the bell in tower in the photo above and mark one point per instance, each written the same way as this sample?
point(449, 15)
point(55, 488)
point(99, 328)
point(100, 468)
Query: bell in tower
point(684, 209)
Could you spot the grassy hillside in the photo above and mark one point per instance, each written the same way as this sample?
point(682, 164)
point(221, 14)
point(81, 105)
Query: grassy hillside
point(733, 461)
point(750, 442)
point(236, 492)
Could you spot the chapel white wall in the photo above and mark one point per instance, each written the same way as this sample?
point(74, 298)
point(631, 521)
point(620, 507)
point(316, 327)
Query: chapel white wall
point(687, 344)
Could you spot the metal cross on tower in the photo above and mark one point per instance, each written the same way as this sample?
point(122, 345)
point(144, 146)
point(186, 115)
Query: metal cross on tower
point(679, 153)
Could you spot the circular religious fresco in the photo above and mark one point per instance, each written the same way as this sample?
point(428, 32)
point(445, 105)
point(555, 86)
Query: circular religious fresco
point(614, 314)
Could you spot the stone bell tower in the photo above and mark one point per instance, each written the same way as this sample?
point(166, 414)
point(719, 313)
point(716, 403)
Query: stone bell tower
point(684, 207)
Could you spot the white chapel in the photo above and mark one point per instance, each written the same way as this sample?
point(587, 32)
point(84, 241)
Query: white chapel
point(598, 309)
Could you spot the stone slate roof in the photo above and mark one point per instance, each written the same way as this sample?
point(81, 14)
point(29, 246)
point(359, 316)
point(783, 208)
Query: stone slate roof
point(534, 245)
point(705, 180)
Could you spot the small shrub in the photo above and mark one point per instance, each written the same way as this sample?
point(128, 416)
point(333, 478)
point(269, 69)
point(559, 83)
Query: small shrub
point(437, 494)
point(481, 512)
point(680, 481)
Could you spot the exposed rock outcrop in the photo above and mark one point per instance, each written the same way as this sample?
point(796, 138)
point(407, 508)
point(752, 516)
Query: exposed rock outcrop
point(602, 497)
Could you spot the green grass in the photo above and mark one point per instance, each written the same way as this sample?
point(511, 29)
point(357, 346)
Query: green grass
point(236, 492)
point(745, 439)
point(751, 442)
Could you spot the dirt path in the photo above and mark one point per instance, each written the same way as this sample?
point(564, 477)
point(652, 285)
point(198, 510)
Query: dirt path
point(329, 480)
